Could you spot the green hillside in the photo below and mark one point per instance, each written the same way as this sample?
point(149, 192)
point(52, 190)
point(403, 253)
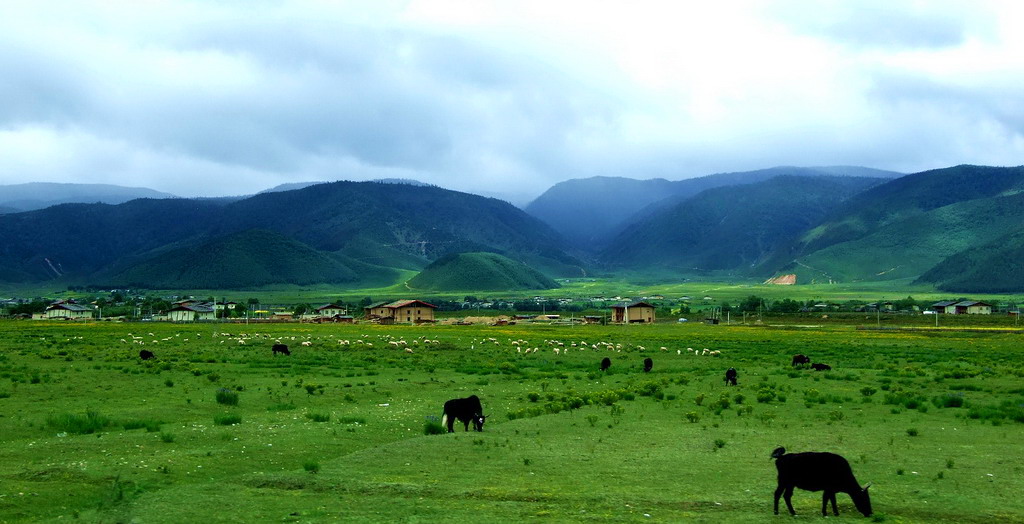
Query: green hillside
point(247, 259)
point(909, 247)
point(996, 267)
point(730, 228)
point(908, 196)
point(479, 272)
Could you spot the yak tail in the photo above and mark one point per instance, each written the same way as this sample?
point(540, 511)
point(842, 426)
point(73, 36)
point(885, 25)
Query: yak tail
point(778, 452)
point(444, 420)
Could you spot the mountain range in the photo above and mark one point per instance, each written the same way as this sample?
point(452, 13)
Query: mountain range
point(958, 228)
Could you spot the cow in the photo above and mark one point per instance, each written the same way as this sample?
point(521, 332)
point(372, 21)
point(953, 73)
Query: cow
point(606, 363)
point(648, 364)
point(818, 471)
point(146, 354)
point(801, 360)
point(730, 376)
point(466, 410)
point(280, 348)
point(821, 367)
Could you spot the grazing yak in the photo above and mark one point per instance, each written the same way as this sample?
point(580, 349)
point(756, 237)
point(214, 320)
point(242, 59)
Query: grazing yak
point(730, 376)
point(466, 410)
point(648, 364)
point(606, 363)
point(280, 348)
point(801, 360)
point(814, 471)
point(146, 354)
point(821, 367)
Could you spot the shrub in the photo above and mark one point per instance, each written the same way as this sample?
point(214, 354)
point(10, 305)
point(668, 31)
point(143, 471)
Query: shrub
point(693, 417)
point(699, 400)
point(719, 443)
point(227, 419)
point(949, 400)
point(90, 422)
point(166, 437)
point(152, 426)
point(227, 397)
point(318, 417)
point(311, 466)
point(912, 432)
point(432, 426)
point(867, 391)
point(533, 397)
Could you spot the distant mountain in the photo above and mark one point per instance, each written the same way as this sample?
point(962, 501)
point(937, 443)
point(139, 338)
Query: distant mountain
point(995, 267)
point(247, 259)
point(590, 212)
point(479, 272)
point(904, 227)
point(730, 228)
point(361, 226)
point(38, 195)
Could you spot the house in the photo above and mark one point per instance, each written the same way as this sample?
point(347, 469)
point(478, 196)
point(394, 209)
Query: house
point(68, 310)
point(191, 312)
point(637, 312)
point(414, 311)
point(225, 305)
point(330, 310)
point(945, 306)
point(972, 307)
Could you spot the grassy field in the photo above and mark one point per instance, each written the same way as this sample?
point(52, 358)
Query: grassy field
point(216, 428)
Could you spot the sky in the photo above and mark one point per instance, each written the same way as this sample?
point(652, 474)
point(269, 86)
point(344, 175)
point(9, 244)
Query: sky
point(501, 98)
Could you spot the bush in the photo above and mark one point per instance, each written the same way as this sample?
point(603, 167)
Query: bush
point(152, 426)
point(693, 417)
point(949, 400)
point(227, 420)
point(89, 423)
point(166, 437)
point(318, 417)
point(912, 432)
point(311, 466)
point(432, 426)
point(227, 397)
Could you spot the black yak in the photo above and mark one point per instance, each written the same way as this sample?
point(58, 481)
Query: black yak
point(821, 367)
point(814, 471)
point(648, 364)
point(466, 410)
point(730, 376)
point(146, 354)
point(606, 363)
point(280, 348)
point(801, 360)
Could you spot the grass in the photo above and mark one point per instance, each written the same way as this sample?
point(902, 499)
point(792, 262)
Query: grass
point(557, 430)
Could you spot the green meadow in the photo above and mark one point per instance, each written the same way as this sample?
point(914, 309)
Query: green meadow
point(217, 429)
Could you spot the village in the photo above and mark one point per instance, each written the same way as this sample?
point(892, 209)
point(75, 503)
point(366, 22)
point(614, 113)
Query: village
point(594, 310)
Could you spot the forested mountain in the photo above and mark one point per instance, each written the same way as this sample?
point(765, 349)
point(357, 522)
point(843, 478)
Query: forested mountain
point(479, 272)
point(244, 260)
point(589, 212)
point(904, 227)
point(730, 228)
point(995, 267)
point(364, 227)
point(39, 195)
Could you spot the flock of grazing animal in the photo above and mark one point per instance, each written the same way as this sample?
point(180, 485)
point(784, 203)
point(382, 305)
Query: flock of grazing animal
point(810, 471)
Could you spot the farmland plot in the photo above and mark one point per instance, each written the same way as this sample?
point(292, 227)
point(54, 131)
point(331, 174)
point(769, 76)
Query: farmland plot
point(217, 428)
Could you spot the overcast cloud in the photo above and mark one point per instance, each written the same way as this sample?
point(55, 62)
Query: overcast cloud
point(507, 98)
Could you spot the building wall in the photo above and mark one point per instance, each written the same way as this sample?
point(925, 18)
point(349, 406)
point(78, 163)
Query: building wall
point(61, 313)
point(331, 311)
point(979, 310)
point(414, 314)
point(380, 312)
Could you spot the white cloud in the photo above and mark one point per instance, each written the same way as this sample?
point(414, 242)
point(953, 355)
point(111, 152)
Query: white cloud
point(229, 98)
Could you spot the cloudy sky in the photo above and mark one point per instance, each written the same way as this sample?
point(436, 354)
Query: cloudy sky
point(502, 98)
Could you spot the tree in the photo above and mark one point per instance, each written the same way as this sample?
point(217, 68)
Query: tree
point(751, 304)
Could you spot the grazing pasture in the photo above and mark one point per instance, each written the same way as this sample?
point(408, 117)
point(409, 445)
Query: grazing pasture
point(217, 427)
